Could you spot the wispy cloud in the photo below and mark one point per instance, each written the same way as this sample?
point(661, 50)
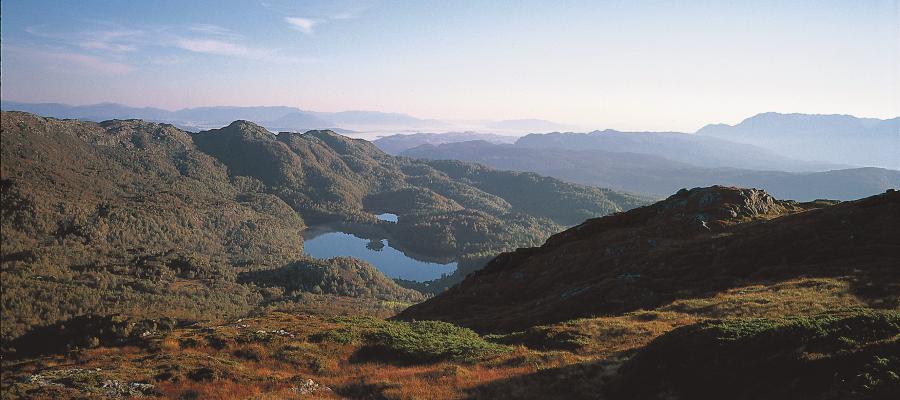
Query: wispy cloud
point(108, 46)
point(93, 63)
point(218, 47)
point(109, 40)
point(216, 40)
point(313, 18)
point(71, 62)
point(231, 49)
point(302, 24)
point(211, 29)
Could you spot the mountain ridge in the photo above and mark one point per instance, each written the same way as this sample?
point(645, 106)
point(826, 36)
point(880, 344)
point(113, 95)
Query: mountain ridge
point(201, 118)
point(398, 143)
point(655, 175)
point(699, 150)
point(836, 137)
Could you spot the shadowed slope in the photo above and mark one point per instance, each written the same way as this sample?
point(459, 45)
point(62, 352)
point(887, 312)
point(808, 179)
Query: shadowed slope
point(695, 242)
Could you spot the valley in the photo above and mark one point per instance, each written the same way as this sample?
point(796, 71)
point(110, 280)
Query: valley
point(449, 200)
point(146, 261)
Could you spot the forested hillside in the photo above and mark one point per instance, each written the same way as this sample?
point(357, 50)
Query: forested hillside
point(117, 216)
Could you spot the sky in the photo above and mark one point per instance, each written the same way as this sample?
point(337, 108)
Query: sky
point(633, 65)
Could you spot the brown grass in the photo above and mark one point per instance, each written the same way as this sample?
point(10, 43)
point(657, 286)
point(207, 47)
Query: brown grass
point(269, 356)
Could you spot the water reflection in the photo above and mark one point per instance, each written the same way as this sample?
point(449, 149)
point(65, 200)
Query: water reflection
point(379, 253)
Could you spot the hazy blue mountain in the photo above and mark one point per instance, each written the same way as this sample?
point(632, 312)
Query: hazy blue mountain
point(376, 118)
point(394, 144)
point(703, 151)
point(657, 176)
point(833, 138)
point(190, 118)
point(94, 112)
point(218, 116)
point(274, 118)
point(527, 125)
point(299, 121)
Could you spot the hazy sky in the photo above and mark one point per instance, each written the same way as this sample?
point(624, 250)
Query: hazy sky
point(596, 64)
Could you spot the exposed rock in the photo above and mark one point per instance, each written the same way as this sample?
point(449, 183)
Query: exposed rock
point(307, 386)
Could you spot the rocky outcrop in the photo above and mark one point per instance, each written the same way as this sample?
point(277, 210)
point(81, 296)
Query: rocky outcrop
point(694, 243)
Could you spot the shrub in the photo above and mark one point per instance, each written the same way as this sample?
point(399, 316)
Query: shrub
point(429, 341)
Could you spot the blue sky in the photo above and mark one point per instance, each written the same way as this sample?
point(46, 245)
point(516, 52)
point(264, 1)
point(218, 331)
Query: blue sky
point(594, 64)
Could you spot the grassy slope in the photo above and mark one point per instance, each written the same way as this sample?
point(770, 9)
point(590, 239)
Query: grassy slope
point(273, 355)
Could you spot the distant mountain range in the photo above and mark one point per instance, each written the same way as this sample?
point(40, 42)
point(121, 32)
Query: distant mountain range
point(836, 138)
point(276, 118)
point(395, 144)
point(697, 150)
point(656, 175)
point(767, 141)
point(528, 125)
point(795, 156)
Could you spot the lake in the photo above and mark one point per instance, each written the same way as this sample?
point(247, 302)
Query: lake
point(390, 261)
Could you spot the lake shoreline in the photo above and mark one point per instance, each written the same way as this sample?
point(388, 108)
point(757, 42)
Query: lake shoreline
point(379, 233)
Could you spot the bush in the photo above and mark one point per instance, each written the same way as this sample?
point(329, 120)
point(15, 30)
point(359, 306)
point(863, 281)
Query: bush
point(429, 341)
